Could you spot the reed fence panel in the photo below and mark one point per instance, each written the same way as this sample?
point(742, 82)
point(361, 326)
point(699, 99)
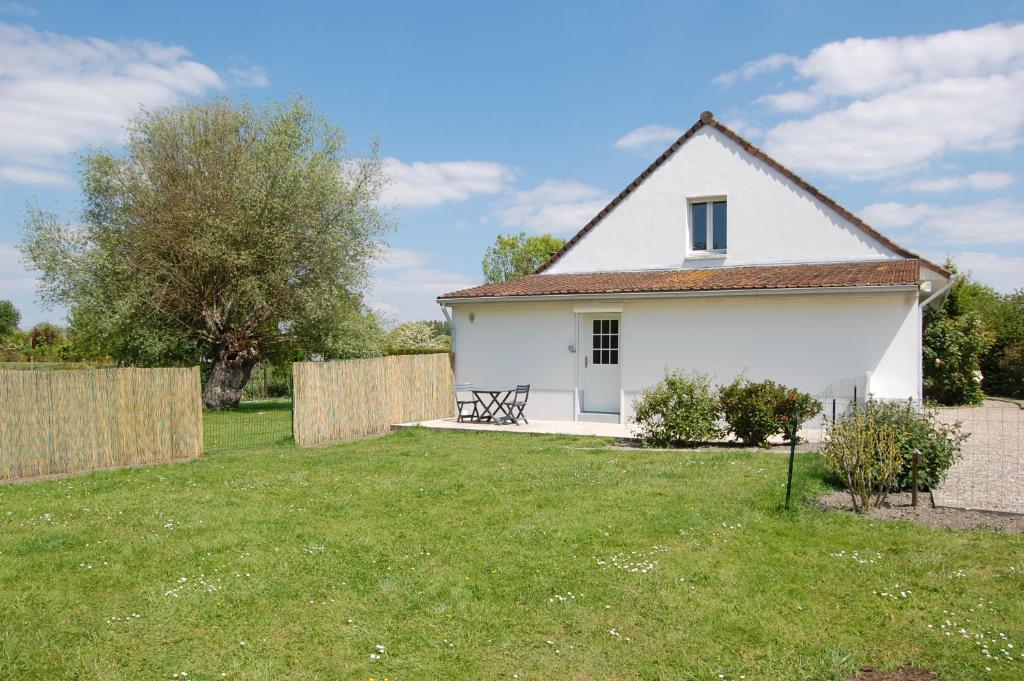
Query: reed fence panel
point(348, 399)
point(62, 422)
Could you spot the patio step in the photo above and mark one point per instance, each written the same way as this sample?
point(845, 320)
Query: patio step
point(598, 417)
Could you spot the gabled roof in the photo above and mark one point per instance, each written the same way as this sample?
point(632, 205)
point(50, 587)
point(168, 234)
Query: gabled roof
point(707, 118)
point(873, 273)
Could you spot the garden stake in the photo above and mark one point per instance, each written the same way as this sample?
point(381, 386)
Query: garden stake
point(792, 455)
point(916, 461)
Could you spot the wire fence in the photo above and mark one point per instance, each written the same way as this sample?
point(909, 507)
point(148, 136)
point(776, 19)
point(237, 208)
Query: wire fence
point(990, 473)
point(256, 424)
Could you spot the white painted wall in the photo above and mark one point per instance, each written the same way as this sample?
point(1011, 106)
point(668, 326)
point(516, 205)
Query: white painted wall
point(770, 219)
point(811, 342)
point(511, 343)
point(808, 341)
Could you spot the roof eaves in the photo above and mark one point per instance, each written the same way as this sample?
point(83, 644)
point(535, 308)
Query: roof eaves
point(682, 293)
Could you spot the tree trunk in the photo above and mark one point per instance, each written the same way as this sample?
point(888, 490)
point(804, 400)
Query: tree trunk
point(234, 359)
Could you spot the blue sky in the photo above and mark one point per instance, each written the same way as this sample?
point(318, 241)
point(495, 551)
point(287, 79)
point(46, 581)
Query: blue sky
point(498, 117)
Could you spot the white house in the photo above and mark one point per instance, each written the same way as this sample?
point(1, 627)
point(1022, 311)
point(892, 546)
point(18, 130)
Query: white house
point(715, 259)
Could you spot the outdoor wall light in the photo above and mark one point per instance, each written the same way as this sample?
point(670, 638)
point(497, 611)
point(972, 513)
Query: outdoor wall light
point(572, 348)
point(472, 316)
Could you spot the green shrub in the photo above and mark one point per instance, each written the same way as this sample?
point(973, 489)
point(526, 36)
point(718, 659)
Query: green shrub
point(1006, 375)
point(793, 409)
point(679, 410)
point(952, 349)
point(864, 453)
point(10, 353)
point(757, 411)
point(938, 442)
point(419, 336)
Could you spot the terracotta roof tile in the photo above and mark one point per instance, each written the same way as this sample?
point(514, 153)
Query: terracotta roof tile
point(898, 272)
point(707, 118)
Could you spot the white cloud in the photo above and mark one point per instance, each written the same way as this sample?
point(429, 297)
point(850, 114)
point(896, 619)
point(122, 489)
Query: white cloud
point(37, 176)
point(60, 93)
point(742, 126)
point(937, 184)
point(18, 284)
point(428, 184)
point(980, 181)
point(993, 221)
point(401, 259)
point(1002, 272)
point(769, 64)
point(989, 181)
point(791, 101)
point(901, 130)
point(252, 76)
point(556, 206)
point(13, 275)
point(407, 283)
point(643, 139)
point(893, 104)
point(18, 9)
point(892, 214)
point(859, 67)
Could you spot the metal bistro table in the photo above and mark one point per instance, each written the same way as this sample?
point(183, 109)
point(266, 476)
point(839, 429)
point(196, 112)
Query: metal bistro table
point(495, 404)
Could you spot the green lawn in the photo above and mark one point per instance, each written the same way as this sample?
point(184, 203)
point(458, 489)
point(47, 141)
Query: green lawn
point(483, 556)
point(254, 425)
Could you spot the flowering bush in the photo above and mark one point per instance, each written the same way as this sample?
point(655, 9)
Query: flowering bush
point(794, 408)
point(681, 409)
point(757, 411)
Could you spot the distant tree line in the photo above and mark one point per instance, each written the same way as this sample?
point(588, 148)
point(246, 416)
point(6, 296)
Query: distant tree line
point(43, 342)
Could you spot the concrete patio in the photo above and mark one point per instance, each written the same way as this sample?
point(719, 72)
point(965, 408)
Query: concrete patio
point(810, 438)
point(616, 430)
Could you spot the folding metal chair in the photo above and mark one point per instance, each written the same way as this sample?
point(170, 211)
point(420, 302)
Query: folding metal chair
point(462, 401)
point(518, 404)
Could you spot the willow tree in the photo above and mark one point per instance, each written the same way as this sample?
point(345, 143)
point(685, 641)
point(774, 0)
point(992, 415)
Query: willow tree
point(222, 233)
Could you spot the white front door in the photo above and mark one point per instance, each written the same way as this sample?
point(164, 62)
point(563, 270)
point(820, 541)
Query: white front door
point(599, 341)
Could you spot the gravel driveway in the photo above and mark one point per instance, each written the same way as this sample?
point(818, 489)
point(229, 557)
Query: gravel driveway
point(990, 474)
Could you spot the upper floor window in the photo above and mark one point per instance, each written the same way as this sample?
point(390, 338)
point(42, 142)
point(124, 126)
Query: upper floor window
point(708, 226)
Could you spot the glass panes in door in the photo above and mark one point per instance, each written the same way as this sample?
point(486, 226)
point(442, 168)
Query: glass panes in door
point(605, 341)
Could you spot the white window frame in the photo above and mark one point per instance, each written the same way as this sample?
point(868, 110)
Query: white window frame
point(708, 226)
point(603, 334)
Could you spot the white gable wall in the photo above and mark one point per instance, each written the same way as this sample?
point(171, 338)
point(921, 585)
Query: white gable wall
point(770, 219)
